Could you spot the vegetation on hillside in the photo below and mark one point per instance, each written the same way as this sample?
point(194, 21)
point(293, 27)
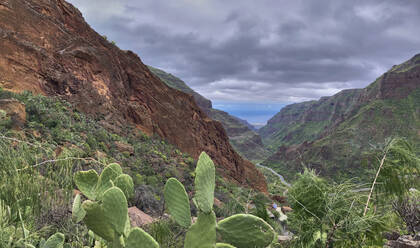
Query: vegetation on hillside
point(39, 159)
point(339, 136)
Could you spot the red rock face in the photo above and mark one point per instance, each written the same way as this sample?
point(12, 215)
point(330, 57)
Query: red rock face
point(399, 84)
point(47, 47)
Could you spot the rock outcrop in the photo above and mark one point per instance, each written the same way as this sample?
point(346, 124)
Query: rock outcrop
point(139, 218)
point(46, 47)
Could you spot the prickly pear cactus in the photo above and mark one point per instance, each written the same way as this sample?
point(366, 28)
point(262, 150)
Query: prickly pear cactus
point(78, 213)
point(204, 183)
point(177, 201)
point(109, 219)
point(125, 183)
point(140, 239)
point(246, 231)
point(106, 211)
point(115, 209)
point(86, 182)
point(203, 232)
point(55, 241)
point(106, 179)
point(239, 230)
point(96, 220)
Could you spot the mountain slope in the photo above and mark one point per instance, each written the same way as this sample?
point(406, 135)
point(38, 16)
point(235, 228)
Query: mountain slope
point(48, 48)
point(306, 121)
point(339, 135)
point(244, 139)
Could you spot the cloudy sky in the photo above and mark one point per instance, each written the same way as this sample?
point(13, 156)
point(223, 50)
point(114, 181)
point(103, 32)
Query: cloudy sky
point(255, 54)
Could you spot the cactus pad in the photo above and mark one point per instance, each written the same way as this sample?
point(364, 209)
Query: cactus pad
point(96, 220)
point(177, 201)
point(108, 175)
point(78, 213)
point(202, 233)
point(86, 182)
point(125, 183)
point(139, 238)
point(204, 183)
point(115, 208)
point(246, 231)
point(55, 241)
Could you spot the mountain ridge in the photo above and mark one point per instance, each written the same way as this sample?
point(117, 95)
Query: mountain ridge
point(48, 48)
point(336, 135)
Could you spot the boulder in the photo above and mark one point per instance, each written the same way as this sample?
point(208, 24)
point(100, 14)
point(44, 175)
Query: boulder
point(139, 218)
point(218, 203)
point(123, 147)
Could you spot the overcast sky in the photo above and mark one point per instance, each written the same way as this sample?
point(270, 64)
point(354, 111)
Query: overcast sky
point(266, 51)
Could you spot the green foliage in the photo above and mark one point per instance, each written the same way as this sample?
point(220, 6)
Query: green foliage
point(78, 213)
point(328, 214)
point(400, 170)
point(177, 202)
point(203, 232)
point(167, 233)
point(37, 167)
point(139, 238)
point(245, 230)
point(205, 183)
point(308, 192)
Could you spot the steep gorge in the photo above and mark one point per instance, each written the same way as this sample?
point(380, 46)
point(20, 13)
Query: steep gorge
point(245, 140)
point(46, 47)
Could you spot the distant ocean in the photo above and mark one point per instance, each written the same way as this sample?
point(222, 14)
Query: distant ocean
point(257, 114)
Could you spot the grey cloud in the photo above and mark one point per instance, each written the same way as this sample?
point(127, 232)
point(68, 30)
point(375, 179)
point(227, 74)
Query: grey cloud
point(273, 50)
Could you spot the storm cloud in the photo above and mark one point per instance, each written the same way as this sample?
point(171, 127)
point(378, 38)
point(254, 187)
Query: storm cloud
point(263, 51)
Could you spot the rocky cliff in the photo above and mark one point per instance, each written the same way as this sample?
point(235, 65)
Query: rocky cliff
point(338, 135)
point(46, 47)
point(242, 137)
